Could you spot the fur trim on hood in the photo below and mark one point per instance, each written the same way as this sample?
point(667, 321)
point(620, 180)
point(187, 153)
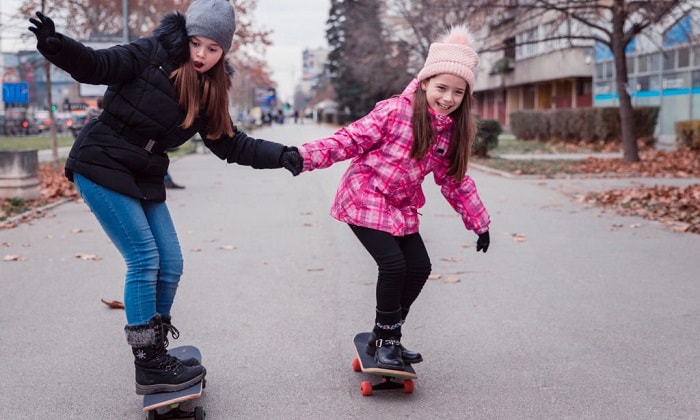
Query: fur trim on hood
point(172, 33)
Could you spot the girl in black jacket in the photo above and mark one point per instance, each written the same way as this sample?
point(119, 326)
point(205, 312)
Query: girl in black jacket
point(162, 89)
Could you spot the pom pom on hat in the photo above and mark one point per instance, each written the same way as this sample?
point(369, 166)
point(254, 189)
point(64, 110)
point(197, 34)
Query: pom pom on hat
point(213, 19)
point(452, 53)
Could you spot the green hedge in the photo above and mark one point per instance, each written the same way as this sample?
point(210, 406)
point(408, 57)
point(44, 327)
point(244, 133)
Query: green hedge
point(591, 125)
point(688, 134)
point(486, 137)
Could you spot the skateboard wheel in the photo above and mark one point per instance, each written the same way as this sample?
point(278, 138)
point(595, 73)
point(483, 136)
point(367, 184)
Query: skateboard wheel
point(408, 386)
point(366, 388)
point(199, 413)
point(356, 365)
point(151, 415)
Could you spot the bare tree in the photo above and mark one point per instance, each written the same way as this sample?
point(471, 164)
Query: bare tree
point(425, 20)
point(611, 23)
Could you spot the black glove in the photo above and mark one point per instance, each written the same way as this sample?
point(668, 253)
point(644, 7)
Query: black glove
point(292, 161)
point(483, 242)
point(45, 31)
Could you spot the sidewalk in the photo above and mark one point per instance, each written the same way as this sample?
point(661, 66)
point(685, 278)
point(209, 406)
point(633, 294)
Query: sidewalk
point(573, 313)
point(558, 156)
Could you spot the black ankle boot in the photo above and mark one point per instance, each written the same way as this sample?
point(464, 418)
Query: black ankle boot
point(388, 354)
point(169, 328)
point(387, 343)
point(156, 370)
point(408, 356)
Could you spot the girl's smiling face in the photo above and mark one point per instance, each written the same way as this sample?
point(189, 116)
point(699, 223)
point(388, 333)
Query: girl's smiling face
point(204, 53)
point(444, 92)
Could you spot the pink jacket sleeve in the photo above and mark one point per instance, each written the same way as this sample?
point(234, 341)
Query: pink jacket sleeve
point(348, 142)
point(464, 198)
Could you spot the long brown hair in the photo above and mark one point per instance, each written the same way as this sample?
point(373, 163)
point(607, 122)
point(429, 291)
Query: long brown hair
point(208, 91)
point(463, 133)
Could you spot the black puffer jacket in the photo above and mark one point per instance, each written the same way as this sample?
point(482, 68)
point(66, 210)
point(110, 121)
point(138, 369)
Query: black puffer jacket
point(141, 104)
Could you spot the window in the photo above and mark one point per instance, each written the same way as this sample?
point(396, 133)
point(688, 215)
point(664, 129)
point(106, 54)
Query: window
point(669, 58)
point(696, 78)
point(655, 62)
point(642, 64)
point(683, 57)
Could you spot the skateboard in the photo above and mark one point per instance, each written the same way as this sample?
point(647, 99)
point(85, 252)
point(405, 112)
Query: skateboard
point(390, 378)
point(173, 400)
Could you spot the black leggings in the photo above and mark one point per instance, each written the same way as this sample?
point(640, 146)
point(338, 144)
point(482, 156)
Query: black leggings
point(403, 263)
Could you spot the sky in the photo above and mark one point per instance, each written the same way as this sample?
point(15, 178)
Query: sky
point(295, 25)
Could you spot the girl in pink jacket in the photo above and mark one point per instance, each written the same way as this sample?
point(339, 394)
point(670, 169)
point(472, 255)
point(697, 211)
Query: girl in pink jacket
point(429, 128)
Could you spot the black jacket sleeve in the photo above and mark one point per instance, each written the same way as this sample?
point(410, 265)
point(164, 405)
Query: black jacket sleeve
point(245, 150)
point(102, 67)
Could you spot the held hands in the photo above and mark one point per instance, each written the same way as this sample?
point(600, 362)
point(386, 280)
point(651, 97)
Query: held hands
point(291, 160)
point(483, 242)
point(45, 32)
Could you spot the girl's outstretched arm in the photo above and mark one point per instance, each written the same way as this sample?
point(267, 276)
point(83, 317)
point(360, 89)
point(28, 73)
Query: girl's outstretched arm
point(351, 141)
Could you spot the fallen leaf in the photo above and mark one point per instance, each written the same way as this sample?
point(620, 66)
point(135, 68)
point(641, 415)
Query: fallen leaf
point(228, 247)
point(113, 304)
point(450, 259)
point(519, 237)
point(452, 280)
point(434, 276)
point(315, 269)
point(88, 257)
point(76, 230)
point(14, 257)
point(196, 250)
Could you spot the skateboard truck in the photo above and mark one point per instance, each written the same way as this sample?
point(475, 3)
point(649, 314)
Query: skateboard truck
point(177, 413)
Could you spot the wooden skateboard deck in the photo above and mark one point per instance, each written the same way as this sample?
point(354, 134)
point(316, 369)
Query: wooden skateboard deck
point(152, 402)
point(365, 363)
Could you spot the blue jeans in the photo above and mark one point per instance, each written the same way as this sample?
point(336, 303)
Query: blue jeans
point(144, 234)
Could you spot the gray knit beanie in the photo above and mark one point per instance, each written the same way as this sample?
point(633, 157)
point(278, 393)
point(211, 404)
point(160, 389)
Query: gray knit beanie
point(213, 19)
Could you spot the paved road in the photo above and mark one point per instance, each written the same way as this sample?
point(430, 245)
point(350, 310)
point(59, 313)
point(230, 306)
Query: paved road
point(574, 313)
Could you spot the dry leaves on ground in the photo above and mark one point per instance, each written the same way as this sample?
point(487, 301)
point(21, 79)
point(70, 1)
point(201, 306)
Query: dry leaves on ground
point(678, 207)
point(53, 187)
point(682, 163)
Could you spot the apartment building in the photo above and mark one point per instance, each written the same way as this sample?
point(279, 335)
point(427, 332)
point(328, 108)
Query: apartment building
point(663, 67)
point(516, 73)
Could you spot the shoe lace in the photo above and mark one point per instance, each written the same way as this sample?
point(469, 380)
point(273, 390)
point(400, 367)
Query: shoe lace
point(173, 331)
point(172, 364)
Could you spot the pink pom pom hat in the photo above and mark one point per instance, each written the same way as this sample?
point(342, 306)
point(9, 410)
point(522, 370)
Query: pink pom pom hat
point(452, 54)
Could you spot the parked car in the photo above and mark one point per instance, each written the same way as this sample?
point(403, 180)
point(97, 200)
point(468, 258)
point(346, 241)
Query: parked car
point(18, 121)
point(42, 120)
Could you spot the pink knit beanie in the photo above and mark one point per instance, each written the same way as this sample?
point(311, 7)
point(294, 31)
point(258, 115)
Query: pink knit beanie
point(452, 54)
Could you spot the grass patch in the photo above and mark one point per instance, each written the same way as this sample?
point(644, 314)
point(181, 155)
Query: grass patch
point(42, 142)
point(509, 144)
point(546, 168)
point(12, 207)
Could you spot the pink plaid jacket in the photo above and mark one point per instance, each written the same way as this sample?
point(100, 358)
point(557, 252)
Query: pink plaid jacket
point(381, 188)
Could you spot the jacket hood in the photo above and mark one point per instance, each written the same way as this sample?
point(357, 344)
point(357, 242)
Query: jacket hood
point(172, 34)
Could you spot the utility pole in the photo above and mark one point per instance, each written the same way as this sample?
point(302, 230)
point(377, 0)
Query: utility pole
point(49, 98)
point(125, 13)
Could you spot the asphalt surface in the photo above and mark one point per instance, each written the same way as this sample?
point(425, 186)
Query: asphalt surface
point(574, 312)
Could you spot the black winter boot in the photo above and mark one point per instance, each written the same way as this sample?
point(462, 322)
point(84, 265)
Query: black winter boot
point(156, 370)
point(409, 356)
point(169, 328)
point(387, 340)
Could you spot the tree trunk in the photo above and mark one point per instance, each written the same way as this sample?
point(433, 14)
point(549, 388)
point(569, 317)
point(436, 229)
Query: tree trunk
point(630, 151)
